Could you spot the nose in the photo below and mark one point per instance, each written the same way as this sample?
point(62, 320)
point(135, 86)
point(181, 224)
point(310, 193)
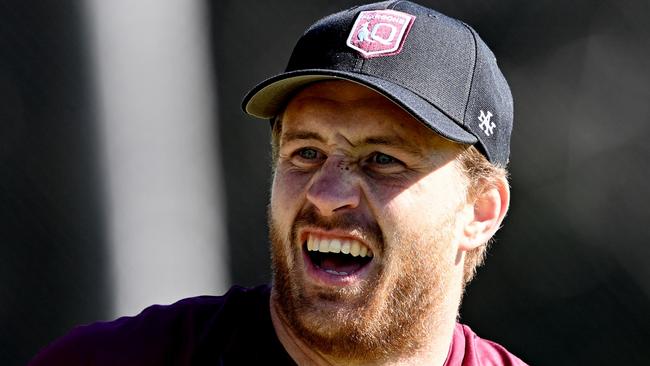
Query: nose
point(335, 187)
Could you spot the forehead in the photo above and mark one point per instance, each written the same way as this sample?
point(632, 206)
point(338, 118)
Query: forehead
point(353, 110)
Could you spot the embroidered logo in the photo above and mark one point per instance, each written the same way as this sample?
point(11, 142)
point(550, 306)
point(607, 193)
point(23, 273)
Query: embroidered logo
point(486, 125)
point(380, 32)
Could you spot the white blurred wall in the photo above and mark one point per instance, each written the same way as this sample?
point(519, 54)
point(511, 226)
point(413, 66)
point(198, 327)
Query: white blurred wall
point(163, 190)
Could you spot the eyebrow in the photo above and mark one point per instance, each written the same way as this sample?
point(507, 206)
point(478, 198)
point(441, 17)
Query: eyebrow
point(289, 136)
point(390, 141)
point(394, 141)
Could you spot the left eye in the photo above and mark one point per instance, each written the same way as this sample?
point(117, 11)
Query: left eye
point(308, 154)
point(383, 159)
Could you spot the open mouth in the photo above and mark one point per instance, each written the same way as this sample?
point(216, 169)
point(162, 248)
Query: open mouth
point(337, 257)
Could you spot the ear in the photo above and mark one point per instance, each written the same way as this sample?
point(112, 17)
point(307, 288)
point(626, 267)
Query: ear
point(485, 216)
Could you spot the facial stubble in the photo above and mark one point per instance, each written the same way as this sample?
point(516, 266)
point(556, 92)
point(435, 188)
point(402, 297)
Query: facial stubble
point(390, 314)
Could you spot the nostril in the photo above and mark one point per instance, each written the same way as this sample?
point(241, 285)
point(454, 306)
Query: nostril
point(329, 200)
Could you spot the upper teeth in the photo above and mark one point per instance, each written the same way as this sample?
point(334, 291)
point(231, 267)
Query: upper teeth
point(345, 246)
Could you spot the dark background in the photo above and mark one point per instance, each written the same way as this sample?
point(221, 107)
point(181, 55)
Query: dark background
point(566, 283)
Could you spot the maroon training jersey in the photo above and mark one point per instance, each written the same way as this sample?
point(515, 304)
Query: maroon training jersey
point(233, 329)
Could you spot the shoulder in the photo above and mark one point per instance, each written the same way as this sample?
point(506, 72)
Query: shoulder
point(159, 334)
point(468, 349)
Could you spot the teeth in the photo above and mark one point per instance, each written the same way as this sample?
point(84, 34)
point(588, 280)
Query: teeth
point(324, 246)
point(363, 251)
point(345, 248)
point(352, 247)
point(312, 244)
point(331, 271)
point(335, 246)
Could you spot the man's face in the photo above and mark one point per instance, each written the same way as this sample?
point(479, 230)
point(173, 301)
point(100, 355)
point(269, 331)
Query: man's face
point(364, 215)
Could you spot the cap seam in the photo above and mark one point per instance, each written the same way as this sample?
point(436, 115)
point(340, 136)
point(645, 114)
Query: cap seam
point(471, 82)
point(394, 4)
point(361, 61)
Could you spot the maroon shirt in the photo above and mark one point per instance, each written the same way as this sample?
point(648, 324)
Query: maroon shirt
point(233, 329)
point(468, 349)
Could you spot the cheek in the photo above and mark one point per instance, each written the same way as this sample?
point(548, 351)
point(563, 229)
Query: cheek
point(287, 194)
point(427, 207)
point(421, 204)
point(289, 185)
point(407, 215)
point(442, 192)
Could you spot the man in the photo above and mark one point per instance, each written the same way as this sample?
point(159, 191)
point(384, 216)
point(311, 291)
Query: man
point(390, 137)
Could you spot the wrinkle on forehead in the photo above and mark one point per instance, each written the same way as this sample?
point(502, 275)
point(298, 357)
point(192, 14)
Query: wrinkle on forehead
point(380, 140)
point(331, 108)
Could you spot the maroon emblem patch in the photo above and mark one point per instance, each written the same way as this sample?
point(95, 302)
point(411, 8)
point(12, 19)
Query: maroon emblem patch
point(380, 32)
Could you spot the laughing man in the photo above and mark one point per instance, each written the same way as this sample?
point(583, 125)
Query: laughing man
point(390, 137)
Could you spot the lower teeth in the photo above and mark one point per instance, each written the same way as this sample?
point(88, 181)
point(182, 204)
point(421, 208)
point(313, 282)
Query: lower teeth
point(331, 271)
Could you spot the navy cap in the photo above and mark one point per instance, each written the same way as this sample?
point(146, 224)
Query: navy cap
point(435, 67)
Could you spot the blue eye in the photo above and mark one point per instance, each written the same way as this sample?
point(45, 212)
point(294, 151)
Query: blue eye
point(383, 159)
point(308, 154)
point(307, 158)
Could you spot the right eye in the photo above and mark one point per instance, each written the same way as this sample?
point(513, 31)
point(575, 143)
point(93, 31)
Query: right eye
point(307, 156)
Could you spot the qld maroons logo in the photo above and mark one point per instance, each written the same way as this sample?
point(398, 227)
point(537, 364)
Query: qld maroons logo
point(380, 32)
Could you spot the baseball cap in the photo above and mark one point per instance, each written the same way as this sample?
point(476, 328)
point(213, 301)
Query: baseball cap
point(435, 67)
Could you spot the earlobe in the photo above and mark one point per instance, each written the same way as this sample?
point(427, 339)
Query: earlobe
point(485, 217)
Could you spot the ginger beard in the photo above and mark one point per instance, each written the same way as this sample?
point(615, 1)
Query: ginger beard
point(390, 313)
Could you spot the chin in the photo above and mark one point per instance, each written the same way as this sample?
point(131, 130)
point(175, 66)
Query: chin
point(385, 306)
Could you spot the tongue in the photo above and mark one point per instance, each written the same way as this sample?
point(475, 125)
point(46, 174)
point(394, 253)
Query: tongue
point(335, 263)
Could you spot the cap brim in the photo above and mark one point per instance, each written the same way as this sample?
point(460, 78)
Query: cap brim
point(268, 98)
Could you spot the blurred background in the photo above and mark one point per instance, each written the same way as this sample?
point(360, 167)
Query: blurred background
point(130, 176)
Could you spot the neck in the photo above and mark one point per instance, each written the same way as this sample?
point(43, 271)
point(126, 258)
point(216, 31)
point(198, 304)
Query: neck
point(433, 353)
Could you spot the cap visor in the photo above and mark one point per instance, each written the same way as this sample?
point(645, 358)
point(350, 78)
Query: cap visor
point(268, 98)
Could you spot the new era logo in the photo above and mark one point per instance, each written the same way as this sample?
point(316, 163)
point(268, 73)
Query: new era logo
point(380, 32)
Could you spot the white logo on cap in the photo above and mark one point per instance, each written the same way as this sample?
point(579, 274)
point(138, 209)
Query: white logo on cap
point(486, 125)
point(379, 32)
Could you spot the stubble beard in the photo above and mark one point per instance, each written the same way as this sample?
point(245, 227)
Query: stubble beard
point(390, 314)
